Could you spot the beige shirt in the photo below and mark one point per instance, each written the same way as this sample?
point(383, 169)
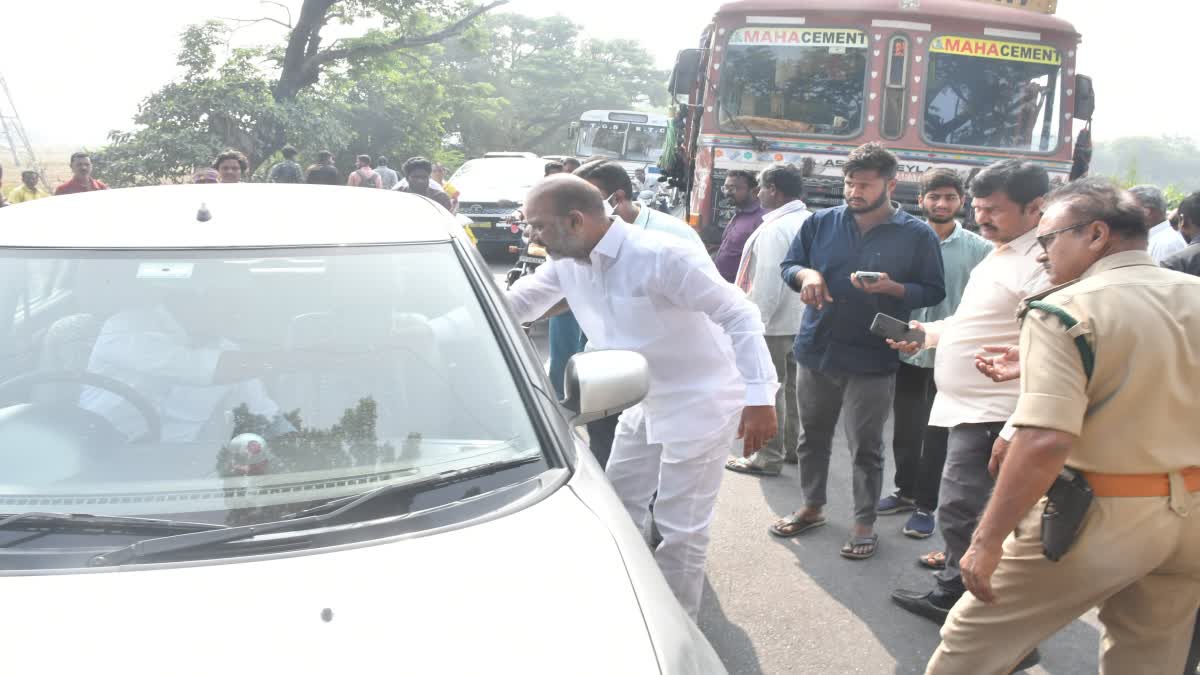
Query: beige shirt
point(987, 315)
point(1138, 412)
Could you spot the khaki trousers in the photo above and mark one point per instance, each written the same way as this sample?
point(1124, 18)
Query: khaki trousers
point(1136, 558)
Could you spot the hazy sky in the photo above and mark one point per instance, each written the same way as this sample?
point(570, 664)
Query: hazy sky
point(78, 68)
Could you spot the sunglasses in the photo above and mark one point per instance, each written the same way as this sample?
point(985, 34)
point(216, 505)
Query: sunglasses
point(1047, 239)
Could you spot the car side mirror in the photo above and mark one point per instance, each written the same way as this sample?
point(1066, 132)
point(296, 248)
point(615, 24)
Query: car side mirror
point(1085, 98)
point(685, 74)
point(573, 130)
point(603, 383)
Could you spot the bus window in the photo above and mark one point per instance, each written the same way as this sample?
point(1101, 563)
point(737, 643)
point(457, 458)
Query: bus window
point(895, 88)
point(783, 80)
point(992, 94)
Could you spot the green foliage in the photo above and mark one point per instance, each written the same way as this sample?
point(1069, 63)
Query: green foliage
point(544, 73)
point(351, 442)
point(215, 106)
point(1170, 162)
point(507, 82)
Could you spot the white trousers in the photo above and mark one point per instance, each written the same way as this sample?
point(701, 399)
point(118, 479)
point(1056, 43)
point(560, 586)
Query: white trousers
point(687, 478)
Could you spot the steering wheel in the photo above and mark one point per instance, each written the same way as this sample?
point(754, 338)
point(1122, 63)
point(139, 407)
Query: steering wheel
point(131, 395)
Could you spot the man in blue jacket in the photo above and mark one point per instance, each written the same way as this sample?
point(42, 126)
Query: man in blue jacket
point(842, 364)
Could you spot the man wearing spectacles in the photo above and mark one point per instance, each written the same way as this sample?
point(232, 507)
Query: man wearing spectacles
point(1008, 200)
point(1096, 406)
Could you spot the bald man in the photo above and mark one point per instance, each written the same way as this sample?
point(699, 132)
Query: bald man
point(711, 376)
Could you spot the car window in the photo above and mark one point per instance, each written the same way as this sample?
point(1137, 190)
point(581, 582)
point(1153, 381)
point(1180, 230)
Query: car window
point(234, 387)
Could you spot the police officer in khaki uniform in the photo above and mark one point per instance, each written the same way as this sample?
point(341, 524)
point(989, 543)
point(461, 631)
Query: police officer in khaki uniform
point(1111, 398)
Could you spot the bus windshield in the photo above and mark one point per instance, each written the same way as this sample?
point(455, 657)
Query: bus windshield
point(782, 80)
point(645, 143)
point(602, 139)
point(621, 140)
point(993, 94)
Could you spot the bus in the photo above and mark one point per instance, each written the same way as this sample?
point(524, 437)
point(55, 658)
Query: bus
point(635, 139)
point(942, 83)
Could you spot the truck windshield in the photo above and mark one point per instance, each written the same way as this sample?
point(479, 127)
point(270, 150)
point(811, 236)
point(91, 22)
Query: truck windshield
point(993, 94)
point(780, 80)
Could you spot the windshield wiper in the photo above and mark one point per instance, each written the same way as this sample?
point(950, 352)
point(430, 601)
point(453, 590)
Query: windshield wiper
point(318, 515)
point(87, 521)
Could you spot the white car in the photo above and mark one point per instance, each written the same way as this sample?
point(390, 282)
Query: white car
point(294, 429)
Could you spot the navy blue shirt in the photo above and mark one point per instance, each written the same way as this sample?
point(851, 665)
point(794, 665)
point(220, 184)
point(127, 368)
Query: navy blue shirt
point(838, 338)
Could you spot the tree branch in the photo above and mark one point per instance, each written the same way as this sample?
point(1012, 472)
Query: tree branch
point(453, 30)
point(251, 22)
point(282, 6)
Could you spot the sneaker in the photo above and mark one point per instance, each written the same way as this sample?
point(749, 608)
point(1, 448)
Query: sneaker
point(920, 525)
point(894, 504)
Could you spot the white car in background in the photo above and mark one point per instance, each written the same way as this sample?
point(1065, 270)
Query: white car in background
point(295, 429)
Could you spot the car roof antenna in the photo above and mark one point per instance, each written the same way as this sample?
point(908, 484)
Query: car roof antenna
point(203, 215)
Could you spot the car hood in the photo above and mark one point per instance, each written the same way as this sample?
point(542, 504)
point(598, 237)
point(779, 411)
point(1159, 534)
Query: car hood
point(537, 591)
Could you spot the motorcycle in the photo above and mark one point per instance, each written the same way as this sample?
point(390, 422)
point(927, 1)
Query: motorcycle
point(530, 256)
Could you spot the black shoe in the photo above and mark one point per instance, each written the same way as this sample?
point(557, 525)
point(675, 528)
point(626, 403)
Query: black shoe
point(933, 605)
point(1031, 659)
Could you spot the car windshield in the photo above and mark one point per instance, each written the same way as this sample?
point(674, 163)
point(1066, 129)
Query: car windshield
point(509, 177)
point(987, 93)
point(235, 387)
point(645, 143)
point(602, 139)
point(796, 81)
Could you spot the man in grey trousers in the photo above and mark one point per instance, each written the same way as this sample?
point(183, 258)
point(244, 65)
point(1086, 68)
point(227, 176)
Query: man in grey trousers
point(782, 310)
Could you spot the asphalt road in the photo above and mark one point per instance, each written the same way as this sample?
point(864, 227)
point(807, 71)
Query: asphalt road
point(795, 606)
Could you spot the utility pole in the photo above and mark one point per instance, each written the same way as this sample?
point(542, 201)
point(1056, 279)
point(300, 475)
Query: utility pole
point(13, 137)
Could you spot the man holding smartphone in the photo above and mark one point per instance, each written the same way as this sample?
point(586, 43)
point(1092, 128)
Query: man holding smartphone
point(841, 363)
point(1008, 198)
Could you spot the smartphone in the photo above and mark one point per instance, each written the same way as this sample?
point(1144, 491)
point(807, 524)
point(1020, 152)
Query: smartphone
point(895, 329)
point(869, 277)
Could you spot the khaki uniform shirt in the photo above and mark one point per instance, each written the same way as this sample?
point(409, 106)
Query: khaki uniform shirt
point(1139, 413)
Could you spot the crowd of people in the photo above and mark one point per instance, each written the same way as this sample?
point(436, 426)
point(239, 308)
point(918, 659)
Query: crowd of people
point(418, 175)
point(1040, 389)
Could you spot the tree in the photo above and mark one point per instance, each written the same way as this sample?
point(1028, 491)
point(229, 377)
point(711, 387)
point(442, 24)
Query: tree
point(1168, 161)
point(259, 99)
point(545, 73)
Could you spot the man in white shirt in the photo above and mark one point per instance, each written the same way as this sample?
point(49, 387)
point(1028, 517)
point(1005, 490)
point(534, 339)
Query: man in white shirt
point(149, 349)
point(1165, 241)
point(711, 377)
point(782, 310)
point(620, 194)
point(1007, 198)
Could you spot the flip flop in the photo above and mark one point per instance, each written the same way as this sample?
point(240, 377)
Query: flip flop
point(855, 542)
point(934, 560)
point(794, 526)
point(742, 465)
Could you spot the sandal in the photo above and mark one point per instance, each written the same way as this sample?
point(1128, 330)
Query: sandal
point(743, 465)
point(794, 525)
point(934, 560)
point(870, 542)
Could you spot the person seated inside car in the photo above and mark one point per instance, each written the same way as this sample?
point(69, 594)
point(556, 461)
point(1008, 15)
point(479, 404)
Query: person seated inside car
point(168, 351)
